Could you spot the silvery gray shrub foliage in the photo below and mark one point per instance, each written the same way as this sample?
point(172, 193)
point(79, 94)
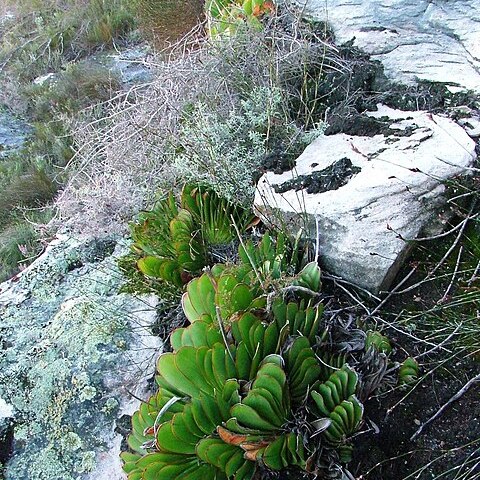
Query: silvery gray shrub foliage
point(212, 113)
point(227, 153)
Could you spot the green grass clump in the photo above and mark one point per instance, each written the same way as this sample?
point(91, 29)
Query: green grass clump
point(80, 85)
point(19, 243)
point(52, 37)
point(33, 189)
point(46, 35)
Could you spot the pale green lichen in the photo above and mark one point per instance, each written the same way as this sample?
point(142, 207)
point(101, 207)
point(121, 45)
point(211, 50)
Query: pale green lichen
point(87, 463)
point(111, 406)
point(68, 331)
point(71, 441)
point(88, 393)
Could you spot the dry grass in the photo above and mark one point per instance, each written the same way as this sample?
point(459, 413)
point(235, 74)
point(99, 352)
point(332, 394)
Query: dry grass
point(166, 21)
point(126, 158)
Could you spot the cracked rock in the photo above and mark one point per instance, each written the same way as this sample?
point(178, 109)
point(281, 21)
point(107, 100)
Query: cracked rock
point(394, 192)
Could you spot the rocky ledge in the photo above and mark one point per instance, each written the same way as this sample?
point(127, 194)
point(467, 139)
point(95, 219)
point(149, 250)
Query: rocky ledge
point(369, 192)
point(437, 41)
point(75, 354)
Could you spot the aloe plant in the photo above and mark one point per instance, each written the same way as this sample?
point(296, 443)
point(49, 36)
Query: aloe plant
point(172, 241)
point(254, 381)
point(378, 341)
point(336, 400)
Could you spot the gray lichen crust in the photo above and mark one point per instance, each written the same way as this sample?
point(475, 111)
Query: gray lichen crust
point(65, 363)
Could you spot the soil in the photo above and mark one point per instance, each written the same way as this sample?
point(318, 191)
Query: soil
point(449, 447)
point(445, 444)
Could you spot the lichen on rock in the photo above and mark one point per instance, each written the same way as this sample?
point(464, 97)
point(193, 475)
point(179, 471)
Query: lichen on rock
point(66, 363)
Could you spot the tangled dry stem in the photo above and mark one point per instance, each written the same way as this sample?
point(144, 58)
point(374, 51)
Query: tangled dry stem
point(124, 158)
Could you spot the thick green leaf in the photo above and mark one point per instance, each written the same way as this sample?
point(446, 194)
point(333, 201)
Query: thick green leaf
point(250, 418)
point(274, 456)
point(198, 300)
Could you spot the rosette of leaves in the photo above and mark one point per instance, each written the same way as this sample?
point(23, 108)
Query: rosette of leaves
point(225, 16)
point(378, 341)
point(279, 262)
point(408, 372)
point(264, 271)
point(230, 391)
point(172, 241)
point(336, 401)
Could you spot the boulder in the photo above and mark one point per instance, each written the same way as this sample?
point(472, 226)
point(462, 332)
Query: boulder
point(76, 356)
point(370, 192)
point(414, 39)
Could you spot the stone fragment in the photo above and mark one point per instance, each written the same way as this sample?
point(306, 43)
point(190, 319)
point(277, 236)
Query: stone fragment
point(393, 191)
point(414, 39)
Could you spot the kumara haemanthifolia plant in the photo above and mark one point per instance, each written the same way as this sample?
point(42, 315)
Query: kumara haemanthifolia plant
point(172, 241)
point(245, 387)
point(255, 381)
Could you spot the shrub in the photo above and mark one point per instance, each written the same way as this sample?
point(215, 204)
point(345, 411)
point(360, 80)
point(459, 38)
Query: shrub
point(227, 152)
point(199, 119)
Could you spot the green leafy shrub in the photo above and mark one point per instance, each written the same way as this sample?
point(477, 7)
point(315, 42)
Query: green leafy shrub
point(226, 152)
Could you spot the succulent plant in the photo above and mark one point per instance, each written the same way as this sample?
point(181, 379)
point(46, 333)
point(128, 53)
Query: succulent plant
point(336, 400)
point(230, 391)
point(225, 16)
point(172, 241)
point(408, 373)
point(378, 341)
point(257, 380)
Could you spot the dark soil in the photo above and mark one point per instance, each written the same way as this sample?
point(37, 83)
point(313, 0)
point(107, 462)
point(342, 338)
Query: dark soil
point(390, 454)
point(449, 447)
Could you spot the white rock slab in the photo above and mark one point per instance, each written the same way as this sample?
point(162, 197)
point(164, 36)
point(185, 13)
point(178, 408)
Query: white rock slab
point(69, 334)
point(365, 225)
point(414, 39)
